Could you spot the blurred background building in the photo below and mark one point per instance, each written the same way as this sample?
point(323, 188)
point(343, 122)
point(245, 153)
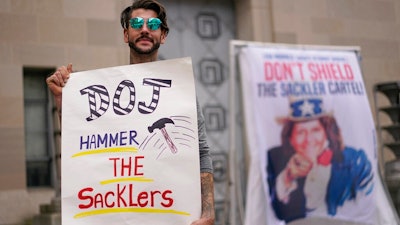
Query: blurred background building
point(37, 36)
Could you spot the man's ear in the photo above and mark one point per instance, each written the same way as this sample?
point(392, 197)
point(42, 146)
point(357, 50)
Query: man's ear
point(163, 37)
point(126, 39)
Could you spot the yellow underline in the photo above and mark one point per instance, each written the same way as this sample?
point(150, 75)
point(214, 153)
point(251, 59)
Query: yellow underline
point(128, 210)
point(105, 150)
point(116, 180)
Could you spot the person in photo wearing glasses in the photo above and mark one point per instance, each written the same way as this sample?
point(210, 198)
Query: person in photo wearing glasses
point(145, 28)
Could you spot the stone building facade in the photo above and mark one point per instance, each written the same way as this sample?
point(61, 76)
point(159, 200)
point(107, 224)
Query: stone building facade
point(37, 36)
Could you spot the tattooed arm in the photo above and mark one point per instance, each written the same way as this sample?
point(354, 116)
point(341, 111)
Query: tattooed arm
point(207, 200)
point(206, 174)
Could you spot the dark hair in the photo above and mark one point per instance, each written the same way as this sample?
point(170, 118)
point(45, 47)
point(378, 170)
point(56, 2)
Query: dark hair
point(332, 131)
point(145, 4)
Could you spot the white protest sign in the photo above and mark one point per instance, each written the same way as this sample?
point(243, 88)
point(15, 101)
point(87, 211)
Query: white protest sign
point(130, 145)
point(311, 136)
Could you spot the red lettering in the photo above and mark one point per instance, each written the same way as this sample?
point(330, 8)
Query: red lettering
point(278, 71)
point(268, 73)
point(106, 199)
point(300, 65)
point(81, 196)
point(137, 166)
point(330, 71)
point(98, 199)
point(152, 196)
point(143, 196)
point(314, 74)
point(333, 71)
point(120, 197)
point(349, 72)
point(131, 203)
point(322, 71)
point(169, 200)
point(115, 165)
point(127, 166)
point(287, 71)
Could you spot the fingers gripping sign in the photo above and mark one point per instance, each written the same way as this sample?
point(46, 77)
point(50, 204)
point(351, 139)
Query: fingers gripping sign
point(57, 81)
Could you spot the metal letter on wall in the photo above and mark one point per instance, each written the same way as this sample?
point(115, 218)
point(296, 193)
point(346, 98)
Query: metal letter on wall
point(215, 118)
point(211, 72)
point(208, 25)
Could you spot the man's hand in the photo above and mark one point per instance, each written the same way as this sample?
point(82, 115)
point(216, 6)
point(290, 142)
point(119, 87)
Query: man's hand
point(207, 200)
point(203, 221)
point(57, 81)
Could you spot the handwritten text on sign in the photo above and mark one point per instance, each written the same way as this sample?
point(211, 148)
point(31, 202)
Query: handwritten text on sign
point(130, 145)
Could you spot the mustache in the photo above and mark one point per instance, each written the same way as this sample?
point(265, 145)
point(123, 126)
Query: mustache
point(144, 37)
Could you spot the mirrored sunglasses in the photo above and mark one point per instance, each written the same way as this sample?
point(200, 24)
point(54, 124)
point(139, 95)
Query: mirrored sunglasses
point(152, 23)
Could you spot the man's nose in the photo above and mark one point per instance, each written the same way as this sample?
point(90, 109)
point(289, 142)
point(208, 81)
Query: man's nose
point(145, 28)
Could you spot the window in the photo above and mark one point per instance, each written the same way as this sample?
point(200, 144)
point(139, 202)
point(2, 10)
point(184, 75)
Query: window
point(37, 111)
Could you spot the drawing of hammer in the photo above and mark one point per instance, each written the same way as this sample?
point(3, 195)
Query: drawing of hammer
point(160, 124)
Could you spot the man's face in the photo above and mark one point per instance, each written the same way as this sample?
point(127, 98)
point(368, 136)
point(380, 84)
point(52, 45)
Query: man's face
point(308, 138)
point(144, 40)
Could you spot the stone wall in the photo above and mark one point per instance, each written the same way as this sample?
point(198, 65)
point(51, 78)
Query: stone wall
point(51, 33)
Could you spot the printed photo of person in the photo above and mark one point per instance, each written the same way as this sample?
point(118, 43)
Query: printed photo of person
point(313, 172)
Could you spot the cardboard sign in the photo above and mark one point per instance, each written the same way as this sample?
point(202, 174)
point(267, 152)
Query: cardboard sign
point(130, 150)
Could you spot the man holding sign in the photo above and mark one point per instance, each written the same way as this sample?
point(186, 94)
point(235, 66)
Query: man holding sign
point(145, 29)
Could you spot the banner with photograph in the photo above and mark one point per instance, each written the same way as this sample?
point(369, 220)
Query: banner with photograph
point(130, 145)
point(310, 134)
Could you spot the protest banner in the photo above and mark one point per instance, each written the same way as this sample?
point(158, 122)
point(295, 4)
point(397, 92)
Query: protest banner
point(311, 137)
point(130, 150)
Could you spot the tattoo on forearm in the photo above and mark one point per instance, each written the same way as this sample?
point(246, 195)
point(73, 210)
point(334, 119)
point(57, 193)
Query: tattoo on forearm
point(207, 195)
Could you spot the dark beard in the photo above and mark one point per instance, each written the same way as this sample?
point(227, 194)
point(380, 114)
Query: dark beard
point(140, 51)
